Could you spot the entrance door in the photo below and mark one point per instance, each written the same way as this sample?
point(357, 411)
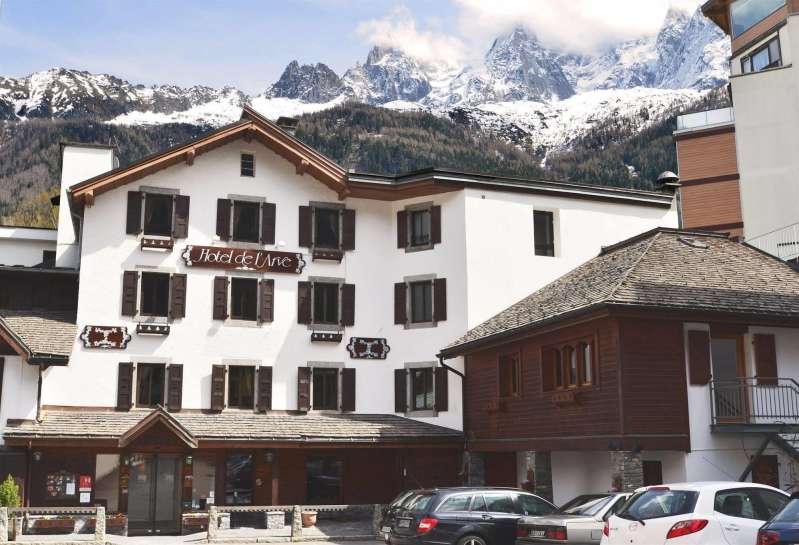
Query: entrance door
point(154, 494)
point(728, 378)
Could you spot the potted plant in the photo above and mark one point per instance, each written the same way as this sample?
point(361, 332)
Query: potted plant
point(308, 519)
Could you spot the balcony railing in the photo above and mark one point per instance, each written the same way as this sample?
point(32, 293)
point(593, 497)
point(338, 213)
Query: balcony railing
point(782, 243)
point(754, 401)
point(705, 119)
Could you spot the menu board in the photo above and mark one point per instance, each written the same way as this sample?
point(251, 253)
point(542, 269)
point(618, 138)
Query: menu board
point(60, 485)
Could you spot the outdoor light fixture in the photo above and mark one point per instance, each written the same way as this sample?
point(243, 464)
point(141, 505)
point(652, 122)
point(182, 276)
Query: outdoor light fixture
point(269, 457)
point(37, 456)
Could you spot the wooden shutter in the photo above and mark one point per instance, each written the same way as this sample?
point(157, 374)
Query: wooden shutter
point(348, 229)
point(699, 357)
point(303, 302)
point(303, 388)
point(174, 399)
point(264, 402)
point(439, 299)
point(223, 218)
point(402, 229)
point(133, 223)
point(177, 295)
point(400, 390)
point(125, 386)
point(442, 389)
point(130, 289)
point(400, 303)
point(218, 387)
point(435, 225)
point(306, 220)
point(348, 390)
point(268, 217)
point(220, 297)
point(766, 359)
point(267, 313)
point(180, 228)
point(348, 304)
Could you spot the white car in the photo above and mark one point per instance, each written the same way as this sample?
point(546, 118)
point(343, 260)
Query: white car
point(709, 513)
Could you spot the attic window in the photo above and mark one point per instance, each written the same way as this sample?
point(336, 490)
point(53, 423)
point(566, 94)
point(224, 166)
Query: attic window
point(693, 243)
point(248, 165)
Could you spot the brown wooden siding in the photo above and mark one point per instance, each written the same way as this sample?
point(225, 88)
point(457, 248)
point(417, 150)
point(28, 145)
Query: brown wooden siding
point(712, 204)
point(24, 290)
point(707, 155)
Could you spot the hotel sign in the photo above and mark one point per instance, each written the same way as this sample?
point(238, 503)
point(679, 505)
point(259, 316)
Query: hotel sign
point(239, 259)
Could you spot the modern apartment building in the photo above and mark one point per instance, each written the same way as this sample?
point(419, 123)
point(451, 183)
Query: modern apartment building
point(257, 325)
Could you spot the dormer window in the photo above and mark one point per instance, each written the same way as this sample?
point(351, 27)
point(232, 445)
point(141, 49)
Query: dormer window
point(248, 165)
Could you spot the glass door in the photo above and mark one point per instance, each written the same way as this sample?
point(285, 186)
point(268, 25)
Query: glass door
point(154, 494)
point(729, 381)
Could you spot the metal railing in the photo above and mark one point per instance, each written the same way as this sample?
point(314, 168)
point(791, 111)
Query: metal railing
point(704, 119)
point(782, 243)
point(754, 401)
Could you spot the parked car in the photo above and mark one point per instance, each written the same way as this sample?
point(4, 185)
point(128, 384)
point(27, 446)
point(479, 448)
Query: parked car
point(390, 511)
point(579, 521)
point(464, 516)
point(711, 513)
point(783, 528)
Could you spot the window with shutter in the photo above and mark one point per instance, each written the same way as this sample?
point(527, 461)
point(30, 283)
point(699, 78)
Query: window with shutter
point(422, 389)
point(181, 227)
point(130, 287)
point(766, 359)
point(150, 384)
point(699, 357)
point(305, 225)
point(175, 387)
point(133, 220)
point(244, 299)
point(177, 307)
point(347, 229)
point(303, 388)
point(223, 218)
point(348, 390)
point(218, 387)
point(158, 214)
point(400, 390)
point(304, 302)
point(268, 218)
point(402, 229)
point(267, 313)
point(400, 303)
point(325, 389)
point(220, 298)
point(125, 386)
point(246, 221)
point(442, 389)
point(264, 389)
point(419, 227)
point(348, 304)
point(440, 299)
point(241, 386)
point(435, 225)
point(154, 294)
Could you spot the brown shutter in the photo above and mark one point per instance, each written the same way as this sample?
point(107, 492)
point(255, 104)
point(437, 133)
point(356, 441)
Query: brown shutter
point(133, 223)
point(268, 217)
point(180, 228)
point(442, 389)
point(303, 302)
point(267, 300)
point(218, 387)
point(402, 229)
point(125, 386)
point(348, 229)
point(439, 299)
point(348, 304)
point(177, 295)
point(699, 357)
point(174, 400)
point(400, 303)
point(223, 218)
point(130, 288)
point(264, 402)
point(400, 390)
point(305, 226)
point(766, 359)
point(220, 298)
point(348, 390)
point(435, 225)
point(303, 388)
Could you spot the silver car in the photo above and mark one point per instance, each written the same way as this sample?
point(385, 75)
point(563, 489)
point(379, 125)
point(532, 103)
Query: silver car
point(578, 522)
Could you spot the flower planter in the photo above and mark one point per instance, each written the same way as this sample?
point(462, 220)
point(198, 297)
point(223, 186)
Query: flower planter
point(308, 519)
point(65, 526)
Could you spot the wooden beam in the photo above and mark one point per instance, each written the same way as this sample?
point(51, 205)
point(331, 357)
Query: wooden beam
point(88, 199)
point(302, 167)
point(190, 156)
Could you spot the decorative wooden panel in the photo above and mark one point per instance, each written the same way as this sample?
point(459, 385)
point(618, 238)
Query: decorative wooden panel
point(111, 337)
point(368, 348)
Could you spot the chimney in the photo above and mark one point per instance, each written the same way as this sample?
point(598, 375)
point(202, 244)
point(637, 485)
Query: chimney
point(288, 124)
point(79, 162)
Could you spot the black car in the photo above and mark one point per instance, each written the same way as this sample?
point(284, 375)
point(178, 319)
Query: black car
point(390, 511)
point(464, 516)
point(783, 529)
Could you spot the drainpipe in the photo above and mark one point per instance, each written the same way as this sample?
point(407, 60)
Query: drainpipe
point(39, 396)
point(449, 368)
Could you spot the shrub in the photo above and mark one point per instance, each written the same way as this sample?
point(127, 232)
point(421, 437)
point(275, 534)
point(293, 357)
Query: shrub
point(9, 493)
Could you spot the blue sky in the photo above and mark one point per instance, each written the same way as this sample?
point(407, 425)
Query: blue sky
point(247, 43)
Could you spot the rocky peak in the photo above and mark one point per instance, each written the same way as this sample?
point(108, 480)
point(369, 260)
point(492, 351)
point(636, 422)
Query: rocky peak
point(388, 75)
point(309, 83)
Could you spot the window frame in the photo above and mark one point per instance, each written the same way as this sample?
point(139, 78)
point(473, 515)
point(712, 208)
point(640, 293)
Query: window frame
point(228, 403)
point(562, 360)
point(549, 246)
point(327, 284)
point(242, 167)
point(430, 284)
point(315, 207)
point(164, 384)
point(516, 374)
point(147, 197)
point(429, 380)
point(238, 280)
point(226, 479)
point(246, 203)
point(141, 294)
point(411, 211)
point(766, 46)
point(335, 372)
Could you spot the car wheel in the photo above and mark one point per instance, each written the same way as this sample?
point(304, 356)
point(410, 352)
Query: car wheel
point(471, 540)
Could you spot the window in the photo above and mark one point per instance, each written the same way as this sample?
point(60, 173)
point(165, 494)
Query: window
point(767, 56)
point(455, 504)
point(158, 214)
point(747, 13)
point(203, 482)
point(652, 504)
point(244, 299)
point(421, 302)
point(422, 389)
point(325, 303)
point(509, 376)
point(106, 481)
point(533, 506)
point(479, 504)
point(327, 228)
point(248, 164)
point(151, 379)
point(325, 389)
point(154, 294)
point(749, 503)
point(323, 478)
point(238, 479)
point(558, 369)
point(544, 233)
point(246, 221)
point(419, 225)
point(241, 387)
point(499, 503)
point(569, 365)
point(586, 363)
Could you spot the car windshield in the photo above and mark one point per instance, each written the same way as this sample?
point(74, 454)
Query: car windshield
point(658, 503)
point(585, 505)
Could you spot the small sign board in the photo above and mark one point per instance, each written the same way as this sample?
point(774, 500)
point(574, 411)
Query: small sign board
point(368, 348)
point(104, 336)
point(243, 259)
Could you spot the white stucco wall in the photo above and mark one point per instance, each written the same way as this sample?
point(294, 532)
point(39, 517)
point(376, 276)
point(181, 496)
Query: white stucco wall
point(19, 386)
point(22, 246)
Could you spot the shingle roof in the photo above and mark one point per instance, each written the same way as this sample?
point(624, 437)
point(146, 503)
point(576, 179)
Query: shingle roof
point(41, 332)
point(663, 269)
point(346, 428)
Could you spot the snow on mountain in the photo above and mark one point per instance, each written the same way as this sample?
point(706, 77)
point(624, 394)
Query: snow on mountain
point(387, 75)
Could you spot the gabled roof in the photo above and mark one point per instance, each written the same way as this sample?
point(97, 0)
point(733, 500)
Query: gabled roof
point(251, 126)
point(158, 416)
point(39, 336)
point(662, 269)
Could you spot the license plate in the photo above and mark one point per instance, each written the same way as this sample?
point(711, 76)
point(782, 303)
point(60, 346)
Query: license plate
point(404, 523)
point(538, 533)
point(386, 529)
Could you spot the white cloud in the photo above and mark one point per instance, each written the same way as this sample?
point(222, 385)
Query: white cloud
point(398, 29)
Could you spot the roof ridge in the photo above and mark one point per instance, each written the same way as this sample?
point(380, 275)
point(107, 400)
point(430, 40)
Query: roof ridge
point(631, 268)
